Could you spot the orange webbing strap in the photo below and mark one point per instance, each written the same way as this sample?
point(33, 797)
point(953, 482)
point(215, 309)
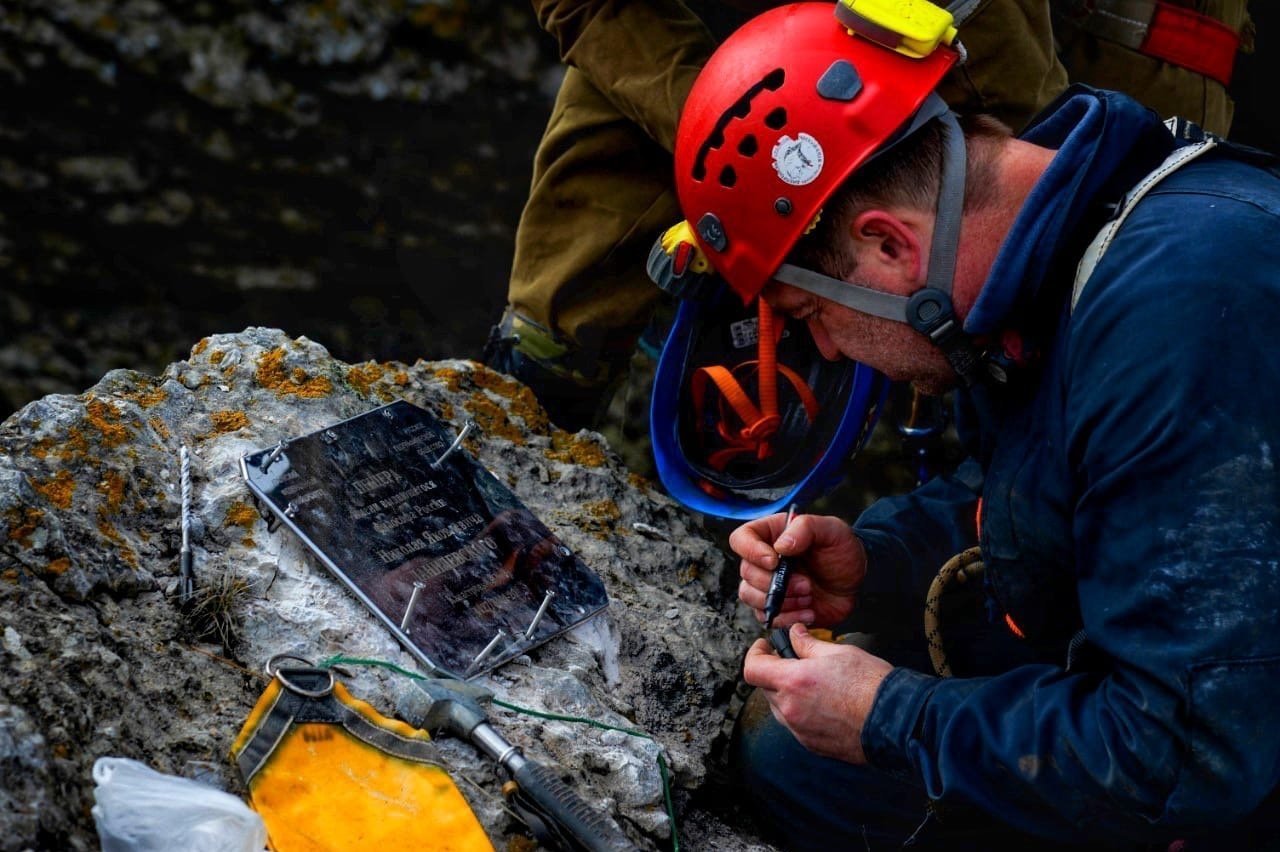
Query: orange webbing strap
point(733, 394)
point(767, 346)
point(757, 429)
point(759, 423)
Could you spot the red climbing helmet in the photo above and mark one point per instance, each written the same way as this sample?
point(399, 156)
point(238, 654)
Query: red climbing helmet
point(746, 416)
point(785, 110)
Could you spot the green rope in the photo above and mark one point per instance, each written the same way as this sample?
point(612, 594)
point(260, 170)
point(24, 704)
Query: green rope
point(340, 659)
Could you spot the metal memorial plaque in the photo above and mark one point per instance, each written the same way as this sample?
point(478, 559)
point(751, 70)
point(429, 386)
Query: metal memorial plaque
point(445, 555)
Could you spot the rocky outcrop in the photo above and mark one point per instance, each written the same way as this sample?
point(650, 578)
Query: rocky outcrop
point(96, 657)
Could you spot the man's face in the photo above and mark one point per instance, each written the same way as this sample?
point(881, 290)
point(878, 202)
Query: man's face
point(893, 348)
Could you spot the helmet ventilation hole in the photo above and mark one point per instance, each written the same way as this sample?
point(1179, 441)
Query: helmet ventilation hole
point(740, 109)
point(728, 177)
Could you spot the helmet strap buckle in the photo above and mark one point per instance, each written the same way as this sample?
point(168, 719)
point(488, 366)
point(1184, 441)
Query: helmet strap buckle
point(930, 312)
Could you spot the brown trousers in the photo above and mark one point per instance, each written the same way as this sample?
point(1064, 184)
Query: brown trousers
point(601, 189)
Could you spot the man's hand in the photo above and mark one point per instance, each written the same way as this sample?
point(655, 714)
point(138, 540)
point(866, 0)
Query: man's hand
point(824, 697)
point(829, 563)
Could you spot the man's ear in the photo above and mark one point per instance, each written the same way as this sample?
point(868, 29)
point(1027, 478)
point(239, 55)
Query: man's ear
point(887, 243)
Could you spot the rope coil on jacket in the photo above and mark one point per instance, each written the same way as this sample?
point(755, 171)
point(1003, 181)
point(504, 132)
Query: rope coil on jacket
point(957, 569)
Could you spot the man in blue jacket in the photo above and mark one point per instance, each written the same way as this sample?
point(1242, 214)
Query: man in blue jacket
point(1103, 293)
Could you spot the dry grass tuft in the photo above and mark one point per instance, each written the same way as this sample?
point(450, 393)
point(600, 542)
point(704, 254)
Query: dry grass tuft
point(215, 613)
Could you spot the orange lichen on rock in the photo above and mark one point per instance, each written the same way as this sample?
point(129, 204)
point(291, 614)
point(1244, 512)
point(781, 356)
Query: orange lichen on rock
point(157, 425)
point(271, 375)
point(58, 566)
point(602, 517)
point(401, 378)
point(104, 417)
point(499, 383)
point(604, 510)
point(58, 490)
point(111, 487)
point(113, 535)
point(523, 403)
point(200, 346)
point(228, 421)
point(23, 522)
point(492, 419)
point(216, 356)
point(574, 449)
point(147, 398)
point(76, 446)
point(453, 379)
point(362, 376)
point(638, 481)
point(71, 448)
point(525, 406)
point(11, 575)
point(241, 514)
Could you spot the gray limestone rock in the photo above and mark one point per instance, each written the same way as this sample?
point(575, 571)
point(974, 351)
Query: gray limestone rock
point(95, 658)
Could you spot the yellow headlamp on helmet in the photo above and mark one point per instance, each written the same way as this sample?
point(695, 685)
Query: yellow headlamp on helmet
point(913, 28)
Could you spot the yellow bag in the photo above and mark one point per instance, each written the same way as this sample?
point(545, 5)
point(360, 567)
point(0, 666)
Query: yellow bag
point(326, 771)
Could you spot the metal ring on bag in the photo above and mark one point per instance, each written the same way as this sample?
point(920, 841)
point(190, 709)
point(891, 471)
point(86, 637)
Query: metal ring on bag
point(279, 674)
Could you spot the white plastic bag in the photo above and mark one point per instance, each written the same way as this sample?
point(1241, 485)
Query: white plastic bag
point(141, 810)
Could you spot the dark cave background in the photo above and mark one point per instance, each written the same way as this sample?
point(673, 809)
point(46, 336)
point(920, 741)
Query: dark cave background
point(347, 170)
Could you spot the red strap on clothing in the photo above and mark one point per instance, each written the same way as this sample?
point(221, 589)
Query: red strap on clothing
point(1193, 41)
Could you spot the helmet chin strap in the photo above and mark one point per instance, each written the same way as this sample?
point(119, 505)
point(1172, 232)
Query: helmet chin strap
point(929, 310)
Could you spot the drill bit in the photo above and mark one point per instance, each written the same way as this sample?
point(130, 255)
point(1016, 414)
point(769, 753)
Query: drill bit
point(186, 576)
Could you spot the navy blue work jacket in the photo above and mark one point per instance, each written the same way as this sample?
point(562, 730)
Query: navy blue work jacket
point(1129, 490)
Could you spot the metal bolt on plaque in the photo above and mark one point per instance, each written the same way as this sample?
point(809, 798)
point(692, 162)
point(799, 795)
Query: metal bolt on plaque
point(457, 442)
point(537, 616)
point(408, 609)
point(276, 452)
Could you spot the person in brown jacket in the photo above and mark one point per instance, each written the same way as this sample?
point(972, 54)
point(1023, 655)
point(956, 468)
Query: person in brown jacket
point(579, 297)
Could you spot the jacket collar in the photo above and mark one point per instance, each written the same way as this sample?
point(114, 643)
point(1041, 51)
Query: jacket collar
point(1105, 142)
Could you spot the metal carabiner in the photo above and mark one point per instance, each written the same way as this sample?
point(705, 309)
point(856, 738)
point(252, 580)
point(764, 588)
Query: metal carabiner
point(275, 671)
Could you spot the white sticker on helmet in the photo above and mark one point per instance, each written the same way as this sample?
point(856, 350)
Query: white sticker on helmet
point(797, 161)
